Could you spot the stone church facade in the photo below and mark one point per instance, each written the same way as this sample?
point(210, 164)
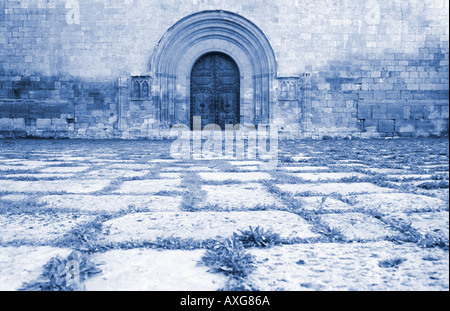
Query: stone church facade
point(135, 68)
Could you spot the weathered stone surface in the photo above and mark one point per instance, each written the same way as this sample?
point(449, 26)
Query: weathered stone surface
point(66, 185)
point(324, 203)
point(238, 196)
point(115, 173)
point(40, 176)
point(149, 186)
point(432, 223)
point(329, 188)
point(37, 228)
point(357, 226)
point(245, 163)
point(153, 270)
point(354, 266)
point(130, 166)
point(201, 225)
point(64, 169)
point(396, 202)
point(112, 203)
point(387, 171)
point(243, 177)
point(408, 176)
point(304, 168)
point(19, 265)
point(327, 176)
point(441, 194)
point(171, 175)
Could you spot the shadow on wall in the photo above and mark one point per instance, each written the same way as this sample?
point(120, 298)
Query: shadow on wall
point(398, 95)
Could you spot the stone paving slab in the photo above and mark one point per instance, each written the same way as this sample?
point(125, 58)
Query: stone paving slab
point(197, 169)
point(324, 204)
point(409, 176)
point(32, 164)
point(389, 171)
point(250, 168)
point(201, 225)
point(112, 203)
point(329, 188)
point(129, 166)
point(170, 175)
point(350, 267)
point(441, 194)
point(242, 177)
point(67, 185)
point(4, 167)
point(301, 158)
point(39, 175)
point(246, 163)
point(64, 169)
point(237, 196)
point(425, 223)
point(327, 176)
point(153, 270)
point(358, 226)
point(37, 228)
point(23, 264)
point(149, 186)
point(115, 173)
point(396, 202)
point(15, 197)
point(349, 165)
point(304, 168)
point(164, 161)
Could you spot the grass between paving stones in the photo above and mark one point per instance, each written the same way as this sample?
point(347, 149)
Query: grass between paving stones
point(408, 234)
point(29, 204)
point(391, 263)
point(194, 193)
point(83, 236)
point(441, 184)
point(64, 274)
point(229, 256)
point(327, 233)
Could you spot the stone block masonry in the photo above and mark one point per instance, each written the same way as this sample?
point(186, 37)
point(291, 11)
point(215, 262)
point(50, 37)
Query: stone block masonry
point(371, 68)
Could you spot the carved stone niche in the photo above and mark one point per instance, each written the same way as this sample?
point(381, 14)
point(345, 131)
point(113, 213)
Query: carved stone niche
point(140, 88)
point(288, 88)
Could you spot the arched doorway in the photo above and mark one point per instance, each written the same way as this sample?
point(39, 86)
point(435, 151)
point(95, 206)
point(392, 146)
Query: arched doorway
point(206, 32)
point(214, 90)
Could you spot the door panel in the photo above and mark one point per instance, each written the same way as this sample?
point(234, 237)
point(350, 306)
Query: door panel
point(215, 90)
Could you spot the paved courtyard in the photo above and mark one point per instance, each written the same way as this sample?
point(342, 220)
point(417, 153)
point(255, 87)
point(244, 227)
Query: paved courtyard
point(333, 215)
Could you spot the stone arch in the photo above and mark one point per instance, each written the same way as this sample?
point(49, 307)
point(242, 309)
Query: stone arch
point(214, 31)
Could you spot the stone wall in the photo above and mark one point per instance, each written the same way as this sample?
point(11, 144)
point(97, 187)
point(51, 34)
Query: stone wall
point(362, 68)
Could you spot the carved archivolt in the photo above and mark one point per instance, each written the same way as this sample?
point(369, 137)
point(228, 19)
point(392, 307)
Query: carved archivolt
point(213, 31)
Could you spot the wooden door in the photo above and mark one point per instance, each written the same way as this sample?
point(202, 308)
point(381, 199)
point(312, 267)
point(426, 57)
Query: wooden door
point(215, 88)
